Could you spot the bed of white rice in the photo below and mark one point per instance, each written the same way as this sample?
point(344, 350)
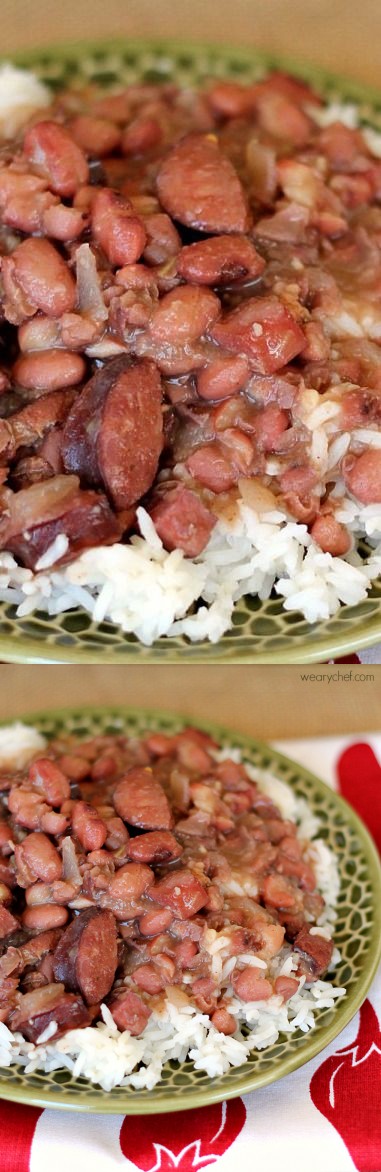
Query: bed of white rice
point(178, 1031)
point(150, 593)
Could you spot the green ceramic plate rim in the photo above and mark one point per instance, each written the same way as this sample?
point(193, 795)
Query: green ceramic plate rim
point(345, 1010)
point(366, 631)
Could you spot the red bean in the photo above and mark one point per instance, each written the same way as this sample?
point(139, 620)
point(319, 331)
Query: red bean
point(250, 986)
point(146, 977)
point(26, 212)
point(220, 261)
point(198, 185)
point(142, 134)
point(88, 827)
point(222, 377)
point(210, 467)
point(278, 892)
point(95, 136)
point(63, 223)
point(49, 780)
point(130, 882)
point(155, 847)
point(58, 892)
point(362, 476)
point(152, 923)
point(76, 768)
point(39, 919)
point(115, 228)
point(8, 923)
point(49, 370)
point(223, 1021)
point(54, 153)
point(44, 277)
point(332, 537)
point(163, 240)
point(183, 315)
point(230, 99)
point(41, 857)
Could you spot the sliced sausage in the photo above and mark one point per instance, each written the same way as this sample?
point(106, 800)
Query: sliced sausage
point(37, 1010)
point(157, 846)
point(315, 953)
point(183, 521)
point(87, 520)
point(199, 186)
point(220, 261)
point(182, 892)
point(130, 1013)
point(140, 800)
point(114, 432)
point(86, 956)
point(263, 330)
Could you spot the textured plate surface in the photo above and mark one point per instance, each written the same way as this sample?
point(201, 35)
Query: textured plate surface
point(358, 936)
point(262, 632)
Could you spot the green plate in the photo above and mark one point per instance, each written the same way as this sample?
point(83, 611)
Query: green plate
point(262, 632)
point(358, 936)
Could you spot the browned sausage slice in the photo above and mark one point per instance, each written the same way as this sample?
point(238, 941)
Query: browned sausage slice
point(183, 521)
point(114, 432)
point(315, 953)
point(140, 800)
point(198, 186)
point(39, 1008)
point(130, 1013)
point(86, 520)
point(86, 956)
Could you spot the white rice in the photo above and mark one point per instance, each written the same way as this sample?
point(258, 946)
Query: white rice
point(21, 93)
point(178, 1030)
point(18, 744)
point(150, 593)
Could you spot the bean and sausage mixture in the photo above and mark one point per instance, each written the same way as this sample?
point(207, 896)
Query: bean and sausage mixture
point(121, 859)
point(176, 269)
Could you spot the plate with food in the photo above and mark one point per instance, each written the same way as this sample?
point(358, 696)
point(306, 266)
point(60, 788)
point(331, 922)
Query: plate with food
point(190, 366)
point(186, 915)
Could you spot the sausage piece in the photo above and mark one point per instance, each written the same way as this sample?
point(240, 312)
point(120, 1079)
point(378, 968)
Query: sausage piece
point(114, 431)
point(86, 520)
point(86, 956)
point(182, 892)
point(140, 800)
point(130, 1013)
point(199, 186)
point(263, 330)
point(38, 1009)
point(315, 953)
point(183, 521)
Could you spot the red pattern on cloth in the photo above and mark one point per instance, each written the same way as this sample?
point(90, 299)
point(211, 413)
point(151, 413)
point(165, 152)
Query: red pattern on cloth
point(17, 1127)
point(360, 783)
point(186, 1140)
point(346, 1090)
